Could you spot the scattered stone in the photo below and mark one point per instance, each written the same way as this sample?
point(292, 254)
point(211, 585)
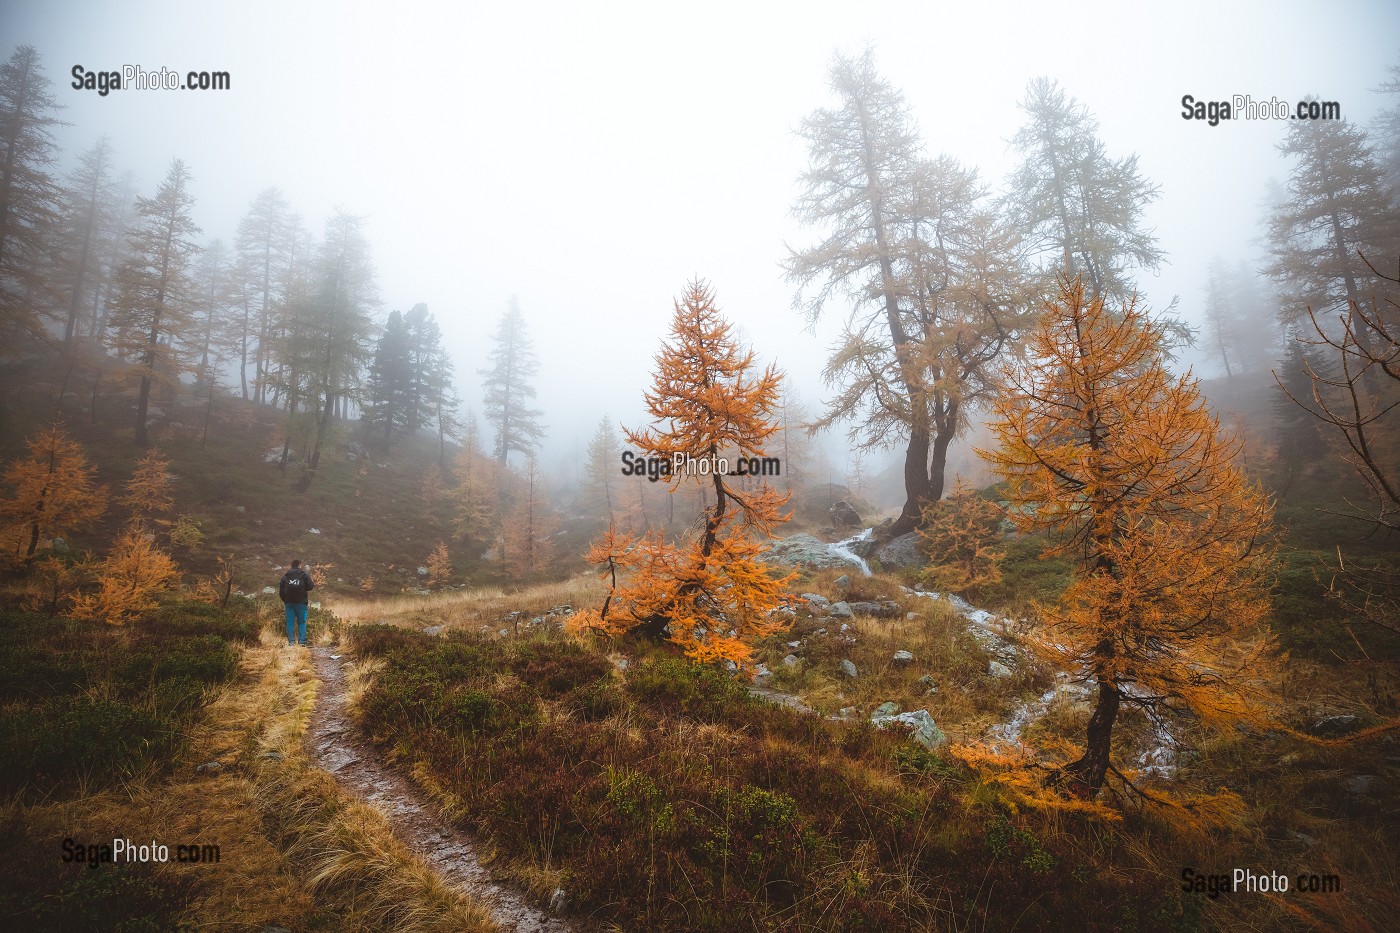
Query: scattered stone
point(848, 668)
point(903, 657)
point(422, 571)
point(843, 513)
point(315, 531)
point(762, 676)
point(1361, 784)
point(842, 582)
point(336, 657)
point(559, 901)
point(269, 590)
point(887, 710)
point(1307, 841)
point(997, 669)
point(794, 644)
point(842, 610)
point(922, 728)
point(433, 630)
point(731, 666)
point(816, 599)
point(902, 552)
point(209, 767)
point(239, 509)
point(620, 663)
point(1334, 726)
point(504, 631)
point(844, 628)
point(791, 660)
point(847, 712)
point(911, 616)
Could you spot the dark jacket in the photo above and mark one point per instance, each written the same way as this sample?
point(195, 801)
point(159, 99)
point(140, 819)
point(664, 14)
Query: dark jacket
point(294, 586)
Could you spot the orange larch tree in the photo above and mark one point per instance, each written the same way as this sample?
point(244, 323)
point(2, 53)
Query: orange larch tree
point(439, 566)
point(148, 491)
point(1122, 464)
point(128, 580)
point(710, 594)
point(55, 492)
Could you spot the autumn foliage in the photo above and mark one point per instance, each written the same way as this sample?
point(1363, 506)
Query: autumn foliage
point(962, 536)
point(54, 493)
point(128, 580)
point(148, 491)
point(439, 566)
point(1123, 466)
point(710, 594)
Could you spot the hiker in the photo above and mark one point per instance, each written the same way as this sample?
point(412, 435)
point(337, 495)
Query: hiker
point(294, 586)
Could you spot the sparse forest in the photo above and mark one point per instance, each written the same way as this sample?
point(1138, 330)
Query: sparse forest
point(1057, 598)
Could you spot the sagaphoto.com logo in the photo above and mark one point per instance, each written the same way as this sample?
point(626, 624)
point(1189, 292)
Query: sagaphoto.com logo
point(1244, 107)
point(134, 77)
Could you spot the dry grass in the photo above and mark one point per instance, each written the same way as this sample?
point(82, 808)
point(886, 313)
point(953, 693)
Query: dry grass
point(482, 609)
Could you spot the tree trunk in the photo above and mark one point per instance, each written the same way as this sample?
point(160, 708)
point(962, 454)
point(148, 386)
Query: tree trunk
point(1086, 775)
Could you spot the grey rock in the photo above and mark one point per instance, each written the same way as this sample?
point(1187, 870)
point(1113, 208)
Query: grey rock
point(902, 552)
point(842, 582)
point(903, 657)
point(843, 513)
point(422, 571)
point(269, 590)
point(1360, 785)
point(887, 710)
point(911, 616)
point(559, 902)
point(620, 663)
point(762, 676)
point(730, 666)
point(271, 754)
point(845, 628)
point(794, 644)
point(791, 660)
point(842, 610)
point(59, 546)
point(803, 550)
point(433, 630)
point(816, 599)
point(1333, 726)
point(848, 668)
point(209, 767)
point(1307, 841)
point(997, 669)
point(847, 712)
point(922, 728)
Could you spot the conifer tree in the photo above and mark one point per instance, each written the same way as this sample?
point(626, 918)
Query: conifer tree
point(526, 547)
point(711, 594)
point(28, 196)
point(87, 210)
point(439, 566)
point(152, 315)
point(508, 388)
point(264, 241)
point(148, 492)
point(604, 462)
point(129, 579)
point(54, 493)
point(475, 495)
point(1129, 472)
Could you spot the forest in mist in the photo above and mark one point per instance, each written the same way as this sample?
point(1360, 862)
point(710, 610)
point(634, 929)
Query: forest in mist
point(846, 506)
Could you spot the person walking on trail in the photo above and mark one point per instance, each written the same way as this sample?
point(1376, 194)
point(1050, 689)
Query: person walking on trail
point(294, 586)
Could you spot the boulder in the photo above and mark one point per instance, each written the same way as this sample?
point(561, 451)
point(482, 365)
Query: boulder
point(842, 582)
point(902, 552)
point(848, 668)
point(803, 550)
point(817, 600)
point(881, 610)
point(842, 610)
point(791, 660)
point(922, 728)
point(997, 669)
point(887, 710)
point(903, 657)
point(762, 676)
point(844, 514)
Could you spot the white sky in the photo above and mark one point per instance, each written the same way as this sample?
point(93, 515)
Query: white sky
point(592, 157)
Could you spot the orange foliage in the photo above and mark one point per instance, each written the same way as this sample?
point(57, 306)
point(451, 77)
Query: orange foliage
point(439, 566)
point(1122, 464)
point(962, 536)
point(128, 580)
point(710, 594)
point(54, 494)
point(148, 490)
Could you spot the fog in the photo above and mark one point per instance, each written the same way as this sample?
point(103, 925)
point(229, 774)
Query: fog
point(591, 158)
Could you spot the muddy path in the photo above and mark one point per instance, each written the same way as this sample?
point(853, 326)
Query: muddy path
point(358, 766)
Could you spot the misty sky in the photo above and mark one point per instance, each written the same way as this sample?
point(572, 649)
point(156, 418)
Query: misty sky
point(590, 158)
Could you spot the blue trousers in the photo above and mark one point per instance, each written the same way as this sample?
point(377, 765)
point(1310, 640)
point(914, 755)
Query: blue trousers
point(296, 623)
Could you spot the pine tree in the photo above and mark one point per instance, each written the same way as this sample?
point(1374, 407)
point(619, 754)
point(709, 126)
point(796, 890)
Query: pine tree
point(152, 314)
point(1128, 471)
point(338, 325)
point(28, 196)
point(507, 388)
point(388, 378)
point(604, 462)
point(87, 210)
point(711, 594)
point(55, 493)
point(264, 241)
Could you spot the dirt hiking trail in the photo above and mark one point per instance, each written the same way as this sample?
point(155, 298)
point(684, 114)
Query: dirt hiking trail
point(336, 746)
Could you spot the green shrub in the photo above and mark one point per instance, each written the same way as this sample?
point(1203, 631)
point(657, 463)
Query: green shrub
point(682, 688)
point(69, 737)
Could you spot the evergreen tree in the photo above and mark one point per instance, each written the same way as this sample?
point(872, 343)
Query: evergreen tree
point(152, 313)
point(28, 196)
point(263, 241)
point(387, 389)
point(602, 470)
point(508, 389)
point(87, 211)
